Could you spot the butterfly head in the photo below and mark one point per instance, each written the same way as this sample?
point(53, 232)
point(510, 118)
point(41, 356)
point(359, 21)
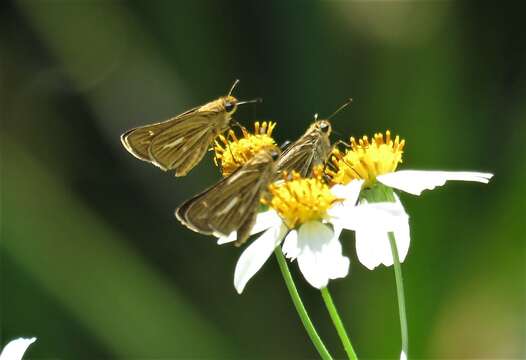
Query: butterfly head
point(322, 126)
point(229, 104)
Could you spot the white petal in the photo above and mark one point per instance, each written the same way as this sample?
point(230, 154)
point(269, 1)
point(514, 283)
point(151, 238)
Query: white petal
point(265, 220)
point(290, 246)
point(320, 257)
point(372, 242)
point(224, 239)
point(371, 245)
point(415, 181)
point(402, 234)
point(340, 210)
point(16, 349)
point(385, 216)
point(256, 254)
point(349, 192)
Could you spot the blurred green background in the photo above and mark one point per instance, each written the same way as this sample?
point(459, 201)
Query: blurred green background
point(93, 262)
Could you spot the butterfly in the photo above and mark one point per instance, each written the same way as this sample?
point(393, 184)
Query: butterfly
point(179, 143)
point(229, 208)
point(310, 150)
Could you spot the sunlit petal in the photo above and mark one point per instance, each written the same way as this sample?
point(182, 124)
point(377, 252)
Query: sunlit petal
point(320, 257)
point(290, 246)
point(349, 192)
point(256, 254)
point(372, 242)
point(402, 232)
point(371, 246)
point(415, 181)
point(385, 216)
point(265, 220)
point(225, 239)
point(16, 349)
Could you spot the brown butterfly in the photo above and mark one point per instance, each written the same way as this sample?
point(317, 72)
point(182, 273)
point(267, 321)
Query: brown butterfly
point(229, 208)
point(181, 142)
point(311, 149)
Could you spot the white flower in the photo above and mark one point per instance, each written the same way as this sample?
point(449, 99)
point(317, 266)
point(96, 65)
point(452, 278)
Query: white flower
point(376, 161)
point(314, 244)
point(15, 349)
point(309, 223)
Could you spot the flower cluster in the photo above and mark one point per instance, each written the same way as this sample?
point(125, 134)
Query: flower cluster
point(297, 201)
point(353, 191)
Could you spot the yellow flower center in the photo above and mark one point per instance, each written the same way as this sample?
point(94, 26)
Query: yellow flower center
point(366, 160)
point(298, 200)
point(231, 152)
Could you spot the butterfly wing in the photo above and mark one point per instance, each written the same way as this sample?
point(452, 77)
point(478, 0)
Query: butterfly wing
point(138, 140)
point(178, 143)
point(232, 204)
point(304, 154)
point(181, 146)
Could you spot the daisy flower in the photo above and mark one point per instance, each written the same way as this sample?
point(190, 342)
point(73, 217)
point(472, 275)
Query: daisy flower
point(376, 162)
point(15, 349)
point(304, 214)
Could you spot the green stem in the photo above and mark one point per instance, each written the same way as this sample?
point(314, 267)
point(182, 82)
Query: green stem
point(400, 293)
point(338, 324)
point(300, 308)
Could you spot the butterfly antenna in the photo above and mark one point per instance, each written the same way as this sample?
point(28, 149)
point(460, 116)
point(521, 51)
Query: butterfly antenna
point(253, 101)
point(233, 87)
point(340, 108)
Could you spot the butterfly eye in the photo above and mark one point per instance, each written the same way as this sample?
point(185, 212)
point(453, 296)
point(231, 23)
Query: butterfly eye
point(324, 127)
point(229, 107)
point(275, 155)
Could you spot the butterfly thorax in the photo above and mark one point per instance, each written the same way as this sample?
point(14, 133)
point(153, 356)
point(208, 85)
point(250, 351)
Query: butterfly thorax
point(322, 130)
point(311, 149)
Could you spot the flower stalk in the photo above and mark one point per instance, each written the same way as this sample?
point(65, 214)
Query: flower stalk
point(300, 308)
point(400, 294)
point(338, 324)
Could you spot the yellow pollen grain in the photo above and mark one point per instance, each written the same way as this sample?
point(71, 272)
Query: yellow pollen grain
point(366, 159)
point(232, 152)
point(298, 200)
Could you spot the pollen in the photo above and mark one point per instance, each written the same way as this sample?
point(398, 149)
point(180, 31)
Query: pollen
point(366, 159)
point(232, 151)
point(298, 200)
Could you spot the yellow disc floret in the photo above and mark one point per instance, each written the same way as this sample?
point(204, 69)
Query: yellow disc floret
point(366, 159)
point(298, 200)
point(232, 152)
